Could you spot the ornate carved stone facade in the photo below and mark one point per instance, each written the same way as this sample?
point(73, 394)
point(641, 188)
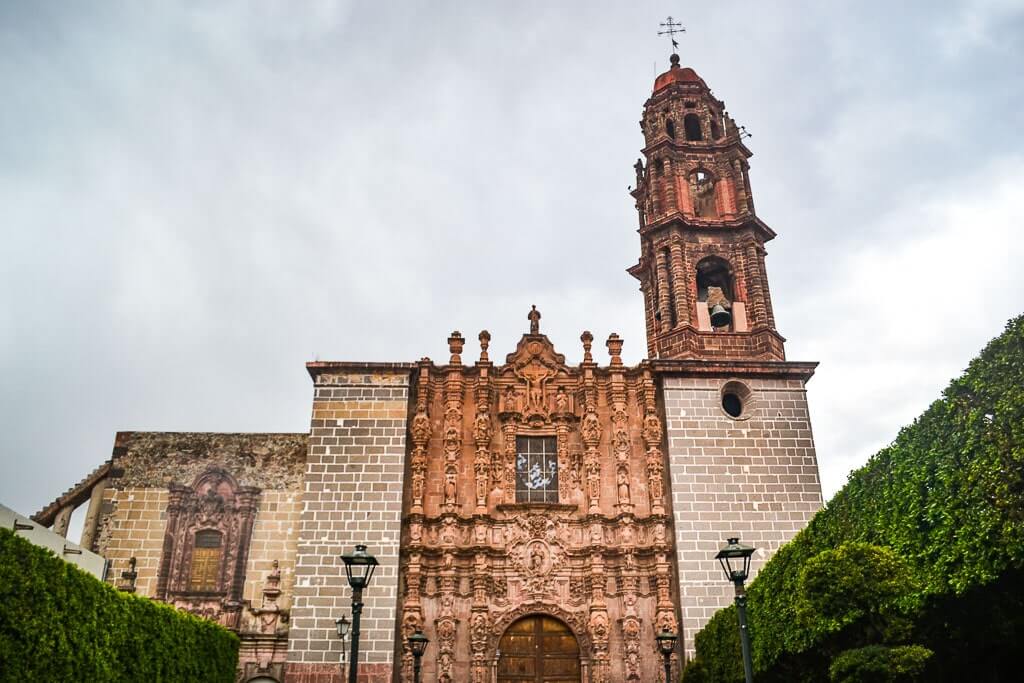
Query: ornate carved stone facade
point(476, 555)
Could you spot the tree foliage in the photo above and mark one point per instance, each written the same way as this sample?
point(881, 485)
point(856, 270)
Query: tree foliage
point(58, 623)
point(880, 664)
point(947, 496)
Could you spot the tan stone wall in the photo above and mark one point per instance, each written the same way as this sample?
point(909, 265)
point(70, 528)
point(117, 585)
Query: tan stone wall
point(755, 478)
point(132, 517)
point(353, 494)
point(274, 537)
point(134, 527)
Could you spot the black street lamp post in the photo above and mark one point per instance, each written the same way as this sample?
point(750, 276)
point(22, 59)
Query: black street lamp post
point(359, 568)
point(667, 644)
point(343, 625)
point(418, 645)
point(735, 561)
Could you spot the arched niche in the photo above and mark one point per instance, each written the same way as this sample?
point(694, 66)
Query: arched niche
point(691, 126)
point(704, 189)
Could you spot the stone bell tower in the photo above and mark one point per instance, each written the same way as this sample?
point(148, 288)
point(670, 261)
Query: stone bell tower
point(740, 450)
point(701, 265)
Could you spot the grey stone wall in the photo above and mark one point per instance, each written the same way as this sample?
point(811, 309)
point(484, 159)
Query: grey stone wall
point(755, 477)
point(353, 494)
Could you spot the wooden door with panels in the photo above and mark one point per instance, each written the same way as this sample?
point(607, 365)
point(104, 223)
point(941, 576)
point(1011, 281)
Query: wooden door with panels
point(538, 649)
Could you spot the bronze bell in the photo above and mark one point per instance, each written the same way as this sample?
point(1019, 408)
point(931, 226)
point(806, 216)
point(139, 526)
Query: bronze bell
point(720, 317)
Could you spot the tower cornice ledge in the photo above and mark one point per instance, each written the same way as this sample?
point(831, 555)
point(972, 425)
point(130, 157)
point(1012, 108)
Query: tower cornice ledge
point(692, 223)
point(318, 368)
point(698, 146)
point(734, 368)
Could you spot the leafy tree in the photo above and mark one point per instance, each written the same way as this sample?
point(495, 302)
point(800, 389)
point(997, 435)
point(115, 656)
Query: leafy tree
point(858, 591)
point(880, 664)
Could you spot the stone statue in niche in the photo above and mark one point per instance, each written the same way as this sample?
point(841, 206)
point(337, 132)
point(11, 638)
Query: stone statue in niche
point(482, 426)
point(590, 430)
point(511, 400)
point(561, 401)
point(420, 428)
point(622, 481)
point(652, 429)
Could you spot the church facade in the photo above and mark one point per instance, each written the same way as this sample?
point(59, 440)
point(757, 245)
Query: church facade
point(538, 521)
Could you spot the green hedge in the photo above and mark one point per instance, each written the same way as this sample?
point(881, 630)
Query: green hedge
point(58, 623)
point(947, 495)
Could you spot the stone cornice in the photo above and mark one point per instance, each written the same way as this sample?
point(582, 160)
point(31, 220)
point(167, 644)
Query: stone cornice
point(734, 368)
point(318, 368)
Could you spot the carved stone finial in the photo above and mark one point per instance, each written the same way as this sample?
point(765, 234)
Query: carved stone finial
point(614, 345)
point(485, 341)
point(587, 340)
point(534, 317)
point(455, 344)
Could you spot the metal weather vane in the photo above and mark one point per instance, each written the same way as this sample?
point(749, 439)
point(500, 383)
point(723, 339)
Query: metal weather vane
point(671, 28)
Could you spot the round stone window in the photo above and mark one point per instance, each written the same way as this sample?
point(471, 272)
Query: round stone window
point(737, 400)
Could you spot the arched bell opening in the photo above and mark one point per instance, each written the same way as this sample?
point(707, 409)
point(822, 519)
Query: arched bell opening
point(716, 292)
point(539, 649)
point(691, 125)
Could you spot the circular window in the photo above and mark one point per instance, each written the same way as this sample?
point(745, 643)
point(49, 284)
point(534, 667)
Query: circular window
point(732, 404)
point(737, 400)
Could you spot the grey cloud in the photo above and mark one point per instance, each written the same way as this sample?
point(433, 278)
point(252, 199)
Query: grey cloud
point(197, 198)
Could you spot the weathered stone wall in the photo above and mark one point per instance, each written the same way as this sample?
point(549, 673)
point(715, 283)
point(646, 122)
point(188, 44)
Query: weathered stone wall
point(353, 494)
point(755, 477)
point(133, 514)
point(132, 525)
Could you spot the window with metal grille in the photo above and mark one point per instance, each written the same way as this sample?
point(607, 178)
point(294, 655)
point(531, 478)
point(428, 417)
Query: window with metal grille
point(536, 469)
point(205, 562)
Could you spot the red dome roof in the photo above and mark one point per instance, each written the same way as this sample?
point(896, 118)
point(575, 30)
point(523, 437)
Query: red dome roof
point(677, 74)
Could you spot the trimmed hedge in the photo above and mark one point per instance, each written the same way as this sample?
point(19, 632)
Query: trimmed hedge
point(948, 496)
point(58, 623)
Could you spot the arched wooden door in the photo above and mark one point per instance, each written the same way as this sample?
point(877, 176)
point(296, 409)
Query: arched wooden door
point(538, 649)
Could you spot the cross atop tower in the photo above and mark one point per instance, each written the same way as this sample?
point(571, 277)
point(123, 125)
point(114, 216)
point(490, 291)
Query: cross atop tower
point(671, 29)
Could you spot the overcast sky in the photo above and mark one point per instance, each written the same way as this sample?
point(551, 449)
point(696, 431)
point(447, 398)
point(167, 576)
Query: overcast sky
point(196, 198)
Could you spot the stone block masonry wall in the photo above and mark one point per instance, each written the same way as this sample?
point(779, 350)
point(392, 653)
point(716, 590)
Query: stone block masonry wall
point(754, 477)
point(274, 537)
point(353, 494)
point(133, 525)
